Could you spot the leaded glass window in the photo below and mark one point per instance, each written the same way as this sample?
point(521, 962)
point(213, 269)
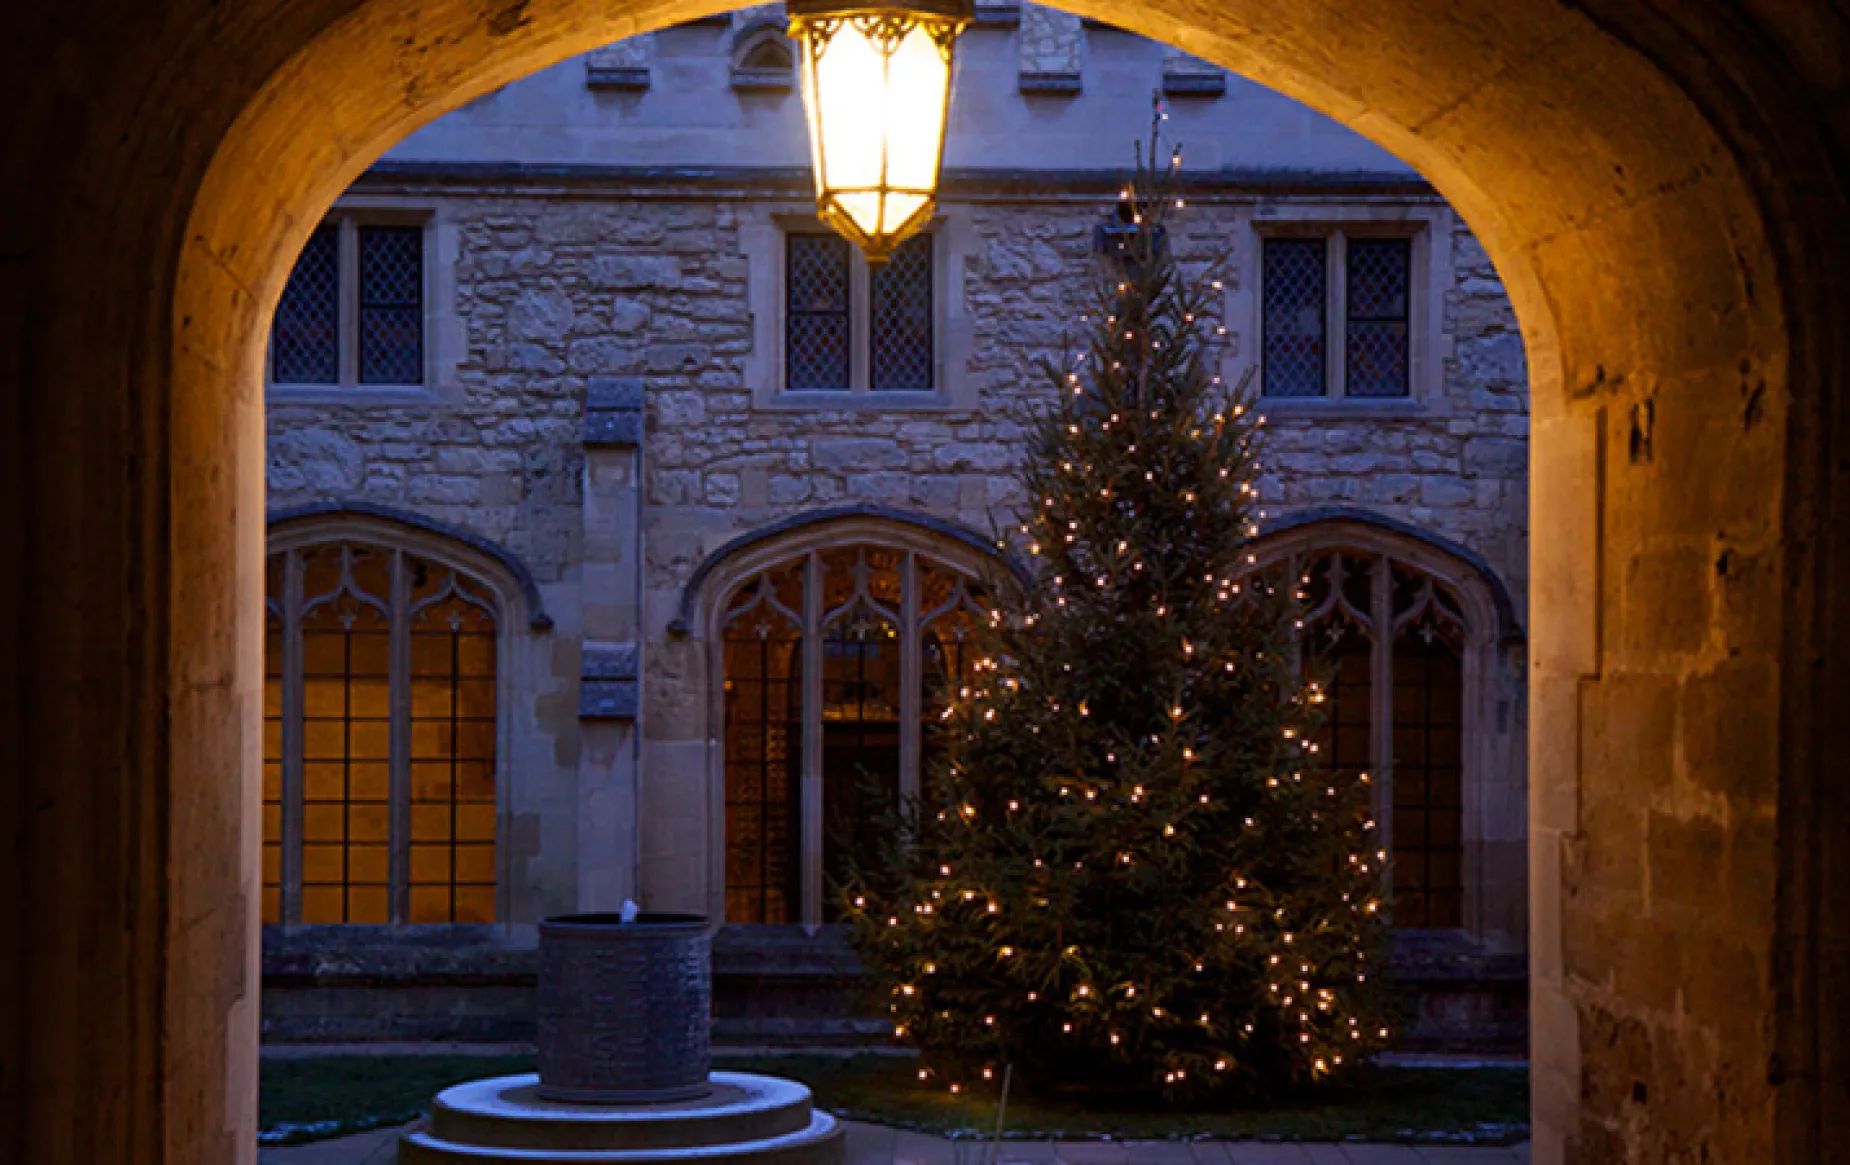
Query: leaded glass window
point(852, 328)
point(305, 342)
point(837, 665)
point(900, 336)
point(763, 643)
point(1388, 641)
point(1295, 314)
point(380, 760)
point(391, 305)
point(353, 311)
point(817, 313)
point(1354, 286)
point(1376, 316)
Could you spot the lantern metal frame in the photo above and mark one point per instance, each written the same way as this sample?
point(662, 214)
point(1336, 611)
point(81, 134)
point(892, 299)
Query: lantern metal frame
point(813, 23)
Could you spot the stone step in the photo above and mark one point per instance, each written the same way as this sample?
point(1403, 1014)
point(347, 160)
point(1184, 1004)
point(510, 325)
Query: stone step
point(818, 1144)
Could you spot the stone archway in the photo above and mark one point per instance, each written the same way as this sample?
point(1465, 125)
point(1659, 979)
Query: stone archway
point(1656, 182)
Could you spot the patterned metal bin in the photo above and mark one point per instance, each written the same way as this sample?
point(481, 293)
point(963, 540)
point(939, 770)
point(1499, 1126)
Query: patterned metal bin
point(624, 1008)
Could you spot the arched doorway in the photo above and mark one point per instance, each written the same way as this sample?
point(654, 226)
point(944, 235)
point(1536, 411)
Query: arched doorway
point(1653, 181)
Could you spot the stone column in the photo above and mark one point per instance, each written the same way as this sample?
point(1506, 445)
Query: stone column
point(609, 692)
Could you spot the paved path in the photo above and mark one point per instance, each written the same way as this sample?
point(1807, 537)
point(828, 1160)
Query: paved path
point(879, 1145)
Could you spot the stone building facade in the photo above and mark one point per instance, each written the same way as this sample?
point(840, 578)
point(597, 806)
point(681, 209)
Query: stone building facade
point(537, 452)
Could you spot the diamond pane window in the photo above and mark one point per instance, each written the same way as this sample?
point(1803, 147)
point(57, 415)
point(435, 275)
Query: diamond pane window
point(1295, 297)
point(391, 305)
point(380, 753)
point(352, 313)
point(900, 335)
point(817, 313)
point(305, 342)
point(1379, 283)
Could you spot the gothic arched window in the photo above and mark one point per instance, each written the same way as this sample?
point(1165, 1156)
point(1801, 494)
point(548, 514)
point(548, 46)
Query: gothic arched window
point(380, 767)
point(1405, 646)
point(836, 666)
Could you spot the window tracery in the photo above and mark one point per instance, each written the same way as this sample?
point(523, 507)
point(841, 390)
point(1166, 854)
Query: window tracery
point(836, 667)
point(380, 717)
point(1392, 641)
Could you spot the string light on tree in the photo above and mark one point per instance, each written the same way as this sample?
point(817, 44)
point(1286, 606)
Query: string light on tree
point(1142, 897)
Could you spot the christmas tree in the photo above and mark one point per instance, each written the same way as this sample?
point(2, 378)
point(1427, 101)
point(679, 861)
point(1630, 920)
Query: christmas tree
point(1132, 870)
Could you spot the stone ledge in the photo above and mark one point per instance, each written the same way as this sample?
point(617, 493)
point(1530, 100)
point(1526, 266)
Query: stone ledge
point(447, 954)
point(1002, 14)
point(752, 80)
point(1194, 84)
point(619, 77)
point(1051, 84)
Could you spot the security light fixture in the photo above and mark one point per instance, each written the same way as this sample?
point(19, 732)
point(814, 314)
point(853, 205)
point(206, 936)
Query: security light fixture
point(876, 81)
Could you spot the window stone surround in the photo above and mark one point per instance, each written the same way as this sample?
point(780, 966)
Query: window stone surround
point(440, 334)
point(762, 231)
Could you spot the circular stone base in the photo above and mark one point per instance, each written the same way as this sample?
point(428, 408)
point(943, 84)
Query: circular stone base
point(743, 1118)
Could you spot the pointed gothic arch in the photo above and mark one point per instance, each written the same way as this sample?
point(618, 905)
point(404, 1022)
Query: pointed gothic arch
point(830, 638)
point(1423, 652)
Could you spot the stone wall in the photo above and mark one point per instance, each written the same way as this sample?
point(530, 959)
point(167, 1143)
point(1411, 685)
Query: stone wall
point(549, 292)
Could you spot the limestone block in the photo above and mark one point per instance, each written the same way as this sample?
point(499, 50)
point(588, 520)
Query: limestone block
point(623, 65)
point(540, 316)
point(633, 272)
point(1052, 45)
point(320, 461)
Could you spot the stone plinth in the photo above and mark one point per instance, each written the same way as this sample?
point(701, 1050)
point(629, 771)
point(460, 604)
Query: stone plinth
point(742, 1118)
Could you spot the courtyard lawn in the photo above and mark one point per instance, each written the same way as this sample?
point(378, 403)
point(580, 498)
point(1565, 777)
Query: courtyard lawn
point(314, 1098)
point(317, 1097)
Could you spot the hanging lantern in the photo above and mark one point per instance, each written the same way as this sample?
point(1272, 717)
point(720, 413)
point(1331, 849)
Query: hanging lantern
point(876, 83)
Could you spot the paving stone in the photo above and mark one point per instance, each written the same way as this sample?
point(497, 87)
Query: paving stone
point(911, 1148)
point(379, 1147)
point(1474, 1155)
point(1266, 1153)
point(1158, 1153)
point(867, 1144)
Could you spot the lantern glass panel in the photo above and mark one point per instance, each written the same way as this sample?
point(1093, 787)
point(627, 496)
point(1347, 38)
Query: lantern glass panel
point(875, 90)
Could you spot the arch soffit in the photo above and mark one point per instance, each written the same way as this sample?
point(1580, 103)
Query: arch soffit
point(767, 546)
point(1487, 600)
point(485, 560)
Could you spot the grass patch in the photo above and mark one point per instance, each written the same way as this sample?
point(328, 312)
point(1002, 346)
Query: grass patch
point(1474, 1105)
point(314, 1098)
point(332, 1096)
